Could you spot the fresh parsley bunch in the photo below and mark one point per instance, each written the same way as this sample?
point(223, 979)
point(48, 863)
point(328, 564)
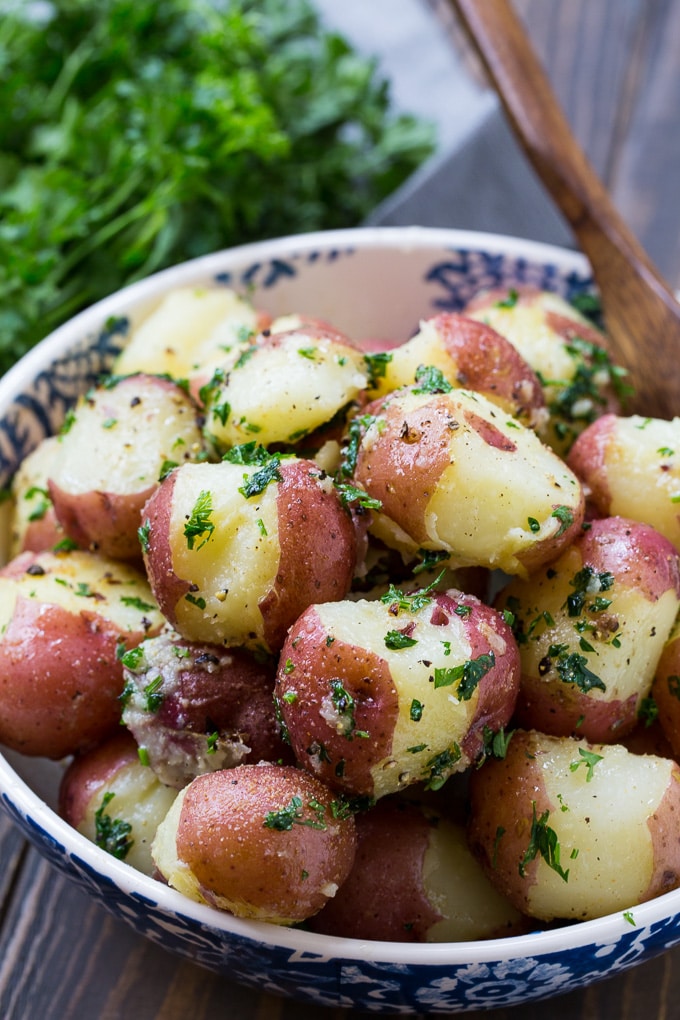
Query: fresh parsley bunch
point(137, 133)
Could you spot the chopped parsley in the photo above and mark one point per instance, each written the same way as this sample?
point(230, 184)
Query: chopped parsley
point(397, 600)
point(566, 518)
point(587, 758)
point(397, 639)
point(199, 525)
point(112, 834)
point(467, 675)
point(294, 814)
point(143, 533)
point(133, 602)
point(377, 366)
point(588, 582)
point(508, 302)
point(345, 707)
point(416, 710)
point(543, 840)
point(430, 379)
point(573, 669)
point(353, 494)
point(439, 767)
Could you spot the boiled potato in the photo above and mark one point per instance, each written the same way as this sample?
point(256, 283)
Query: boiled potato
point(568, 353)
point(192, 327)
point(63, 621)
point(108, 795)
point(568, 829)
point(196, 708)
point(453, 472)
point(123, 437)
point(415, 880)
point(470, 355)
point(235, 551)
point(666, 689)
point(262, 841)
point(591, 627)
point(34, 525)
point(630, 467)
point(378, 695)
point(286, 386)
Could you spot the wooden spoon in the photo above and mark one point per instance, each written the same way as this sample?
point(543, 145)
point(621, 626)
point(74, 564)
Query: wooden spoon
point(641, 314)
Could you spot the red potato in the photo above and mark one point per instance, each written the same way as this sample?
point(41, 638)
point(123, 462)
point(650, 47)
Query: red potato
point(452, 472)
point(115, 801)
point(196, 708)
point(34, 526)
point(567, 829)
point(415, 880)
point(378, 695)
point(591, 627)
point(285, 387)
point(235, 551)
point(191, 327)
point(564, 348)
point(63, 618)
point(470, 355)
point(122, 439)
point(630, 467)
point(666, 689)
point(261, 841)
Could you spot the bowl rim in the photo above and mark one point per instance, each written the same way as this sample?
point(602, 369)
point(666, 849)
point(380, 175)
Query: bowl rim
point(15, 791)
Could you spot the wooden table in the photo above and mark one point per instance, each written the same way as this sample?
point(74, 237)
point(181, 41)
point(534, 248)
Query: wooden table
point(615, 65)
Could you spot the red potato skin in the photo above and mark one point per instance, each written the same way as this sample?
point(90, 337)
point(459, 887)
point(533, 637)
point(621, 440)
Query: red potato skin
point(237, 696)
point(60, 680)
point(384, 896)
point(81, 514)
point(666, 693)
point(488, 363)
point(167, 587)
point(498, 689)
point(318, 551)
point(413, 445)
point(89, 773)
point(565, 327)
point(222, 838)
point(366, 678)
point(641, 559)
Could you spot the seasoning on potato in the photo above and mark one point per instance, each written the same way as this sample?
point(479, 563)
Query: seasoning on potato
point(263, 841)
point(378, 695)
point(591, 627)
point(571, 830)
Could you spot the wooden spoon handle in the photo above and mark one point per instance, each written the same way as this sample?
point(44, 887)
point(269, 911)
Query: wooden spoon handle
point(617, 258)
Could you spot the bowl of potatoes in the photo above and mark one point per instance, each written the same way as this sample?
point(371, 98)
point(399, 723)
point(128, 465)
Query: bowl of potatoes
point(338, 647)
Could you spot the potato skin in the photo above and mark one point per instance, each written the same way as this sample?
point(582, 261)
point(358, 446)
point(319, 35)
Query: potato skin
point(614, 817)
point(109, 461)
point(470, 355)
point(666, 690)
point(369, 715)
point(452, 472)
point(295, 539)
point(414, 880)
point(60, 677)
point(198, 708)
point(262, 841)
point(630, 467)
point(591, 627)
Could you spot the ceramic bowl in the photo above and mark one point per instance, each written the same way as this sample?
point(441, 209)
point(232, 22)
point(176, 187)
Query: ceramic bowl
point(369, 282)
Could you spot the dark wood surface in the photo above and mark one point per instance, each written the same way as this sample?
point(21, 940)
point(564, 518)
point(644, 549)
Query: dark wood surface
point(615, 66)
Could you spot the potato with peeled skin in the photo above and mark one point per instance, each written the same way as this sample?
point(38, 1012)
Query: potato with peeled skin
point(191, 327)
point(268, 842)
point(591, 627)
point(378, 695)
point(564, 348)
point(630, 467)
point(571, 830)
point(196, 708)
point(235, 551)
point(34, 525)
point(470, 355)
point(122, 438)
point(114, 800)
point(453, 472)
point(285, 387)
point(63, 620)
point(415, 880)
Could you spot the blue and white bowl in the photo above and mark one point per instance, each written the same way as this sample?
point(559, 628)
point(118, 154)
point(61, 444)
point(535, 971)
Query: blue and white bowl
point(370, 283)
